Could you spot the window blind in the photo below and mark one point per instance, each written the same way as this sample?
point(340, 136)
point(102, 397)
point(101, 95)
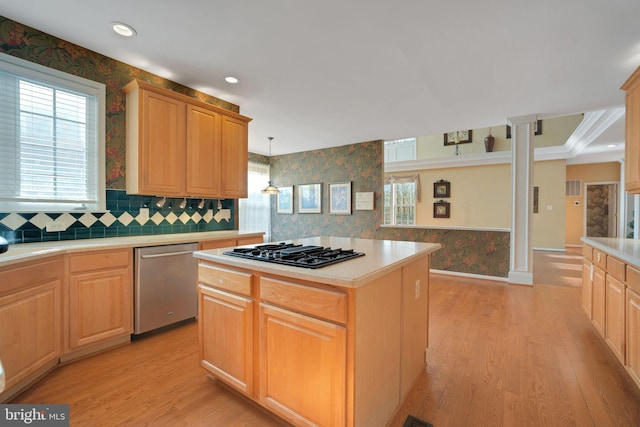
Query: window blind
point(51, 139)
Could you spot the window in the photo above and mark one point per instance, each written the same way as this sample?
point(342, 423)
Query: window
point(254, 212)
point(400, 201)
point(51, 139)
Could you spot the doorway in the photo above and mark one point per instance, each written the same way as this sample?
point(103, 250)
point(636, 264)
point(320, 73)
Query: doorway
point(601, 209)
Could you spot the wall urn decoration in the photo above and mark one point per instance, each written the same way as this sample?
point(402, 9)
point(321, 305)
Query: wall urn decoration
point(489, 140)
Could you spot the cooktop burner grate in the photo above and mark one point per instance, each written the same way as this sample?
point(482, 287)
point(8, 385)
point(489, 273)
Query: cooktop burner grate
point(295, 255)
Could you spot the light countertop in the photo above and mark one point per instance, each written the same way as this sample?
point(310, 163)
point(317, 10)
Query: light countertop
point(381, 257)
point(627, 250)
point(31, 251)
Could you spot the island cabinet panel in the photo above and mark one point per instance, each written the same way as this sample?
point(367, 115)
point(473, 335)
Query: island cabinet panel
point(633, 335)
point(615, 316)
point(587, 286)
point(99, 299)
point(302, 367)
point(598, 299)
point(30, 321)
point(226, 334)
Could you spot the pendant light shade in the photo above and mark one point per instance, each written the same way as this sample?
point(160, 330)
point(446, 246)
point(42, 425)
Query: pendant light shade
point(270, 189)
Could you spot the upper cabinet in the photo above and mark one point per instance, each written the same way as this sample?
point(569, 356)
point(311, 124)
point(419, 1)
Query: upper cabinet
point(632, 133)
point(181, 147)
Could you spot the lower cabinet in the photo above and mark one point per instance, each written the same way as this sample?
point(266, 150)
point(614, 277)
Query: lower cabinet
point(30, 319)
point(100, 297)
point(302, 367)
point(226, 331)
point(633, 334)
point(614, 333)
point(598, 299)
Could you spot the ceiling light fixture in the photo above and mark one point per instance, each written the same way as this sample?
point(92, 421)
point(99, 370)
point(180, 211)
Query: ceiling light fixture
point(231, 80)
point(270, 189)
point(123, 29)
point(611, 145)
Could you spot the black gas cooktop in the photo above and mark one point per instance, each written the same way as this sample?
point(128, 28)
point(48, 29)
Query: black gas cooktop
point(296, 255)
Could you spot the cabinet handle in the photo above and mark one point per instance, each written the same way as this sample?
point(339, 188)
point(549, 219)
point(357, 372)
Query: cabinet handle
point(166, 254)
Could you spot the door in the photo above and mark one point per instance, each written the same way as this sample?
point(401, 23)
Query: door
point(601, 201)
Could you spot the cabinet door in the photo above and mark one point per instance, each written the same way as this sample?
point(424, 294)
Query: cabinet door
point(597, 303)
point(614, 316)
point(632, 135)
point(234, 157)
point(633, 335)
point(203, 152)
point(162, 148)
point(302, 370)
point(226, 337)
point(30, 335)
point(100, 306)
point(587, 288)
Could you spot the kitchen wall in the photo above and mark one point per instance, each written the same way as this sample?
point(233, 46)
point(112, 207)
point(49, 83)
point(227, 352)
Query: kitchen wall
point(33, 45)
point(549, 222)
point(598, 172)
point(464, 251)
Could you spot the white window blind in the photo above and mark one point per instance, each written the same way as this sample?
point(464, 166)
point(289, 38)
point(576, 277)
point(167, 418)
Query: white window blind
point(51, 139)
point(254, 212)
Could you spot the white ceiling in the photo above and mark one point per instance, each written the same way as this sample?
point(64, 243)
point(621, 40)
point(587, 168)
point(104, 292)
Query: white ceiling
point(315, 74)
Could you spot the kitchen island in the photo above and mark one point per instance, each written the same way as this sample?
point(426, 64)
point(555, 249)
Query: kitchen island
point(340, 345)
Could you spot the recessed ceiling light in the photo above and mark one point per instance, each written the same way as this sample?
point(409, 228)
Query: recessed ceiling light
point(231, 79)
point(611, 145)
point(123, 29)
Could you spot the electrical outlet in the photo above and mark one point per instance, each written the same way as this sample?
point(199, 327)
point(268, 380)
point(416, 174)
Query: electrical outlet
point(417, 288)
point(53, 226)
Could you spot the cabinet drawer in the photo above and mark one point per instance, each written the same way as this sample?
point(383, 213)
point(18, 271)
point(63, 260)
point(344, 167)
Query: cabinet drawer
point(323, 303)
point(217, 244)
point(615, 267)
point(633, 278)
point(92, 261)
point(600, 258)
point(222, 278)
point(29, 274)
point(587, 252)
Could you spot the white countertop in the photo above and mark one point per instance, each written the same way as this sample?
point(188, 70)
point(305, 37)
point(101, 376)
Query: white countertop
point(31, 251)
point(381, 257)
point(628, 250)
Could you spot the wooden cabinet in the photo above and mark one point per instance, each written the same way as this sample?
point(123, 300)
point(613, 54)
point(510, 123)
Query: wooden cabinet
point(303, 367)
point(598, 299)
point(226, 243)
point(632, 133)
point(633, 334)
point(614, 333)
point(178, 146)
point(587, 286)
point(31, 317)
point(99, 298)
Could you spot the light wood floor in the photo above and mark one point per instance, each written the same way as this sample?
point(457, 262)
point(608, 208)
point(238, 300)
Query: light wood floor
point(499, 355)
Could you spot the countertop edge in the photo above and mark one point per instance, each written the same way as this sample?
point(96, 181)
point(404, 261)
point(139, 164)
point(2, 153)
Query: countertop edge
point(35, 251)
point(628, 250)
point(318, 275)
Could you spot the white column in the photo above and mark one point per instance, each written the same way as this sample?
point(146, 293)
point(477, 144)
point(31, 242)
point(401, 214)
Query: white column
point(522, 134)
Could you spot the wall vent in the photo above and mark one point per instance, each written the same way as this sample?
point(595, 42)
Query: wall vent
point(573, 188)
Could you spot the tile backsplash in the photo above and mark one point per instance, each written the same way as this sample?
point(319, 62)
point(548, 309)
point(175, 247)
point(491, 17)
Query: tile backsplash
point(122, 218)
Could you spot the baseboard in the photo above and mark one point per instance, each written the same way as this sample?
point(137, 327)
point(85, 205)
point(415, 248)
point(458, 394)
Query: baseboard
point(469, 275)
point(549, 249)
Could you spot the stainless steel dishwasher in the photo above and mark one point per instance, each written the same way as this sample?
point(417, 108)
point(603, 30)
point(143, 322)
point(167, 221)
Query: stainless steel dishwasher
point(165, 285)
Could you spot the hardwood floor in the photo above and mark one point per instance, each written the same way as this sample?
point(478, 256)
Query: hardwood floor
point(499, 355)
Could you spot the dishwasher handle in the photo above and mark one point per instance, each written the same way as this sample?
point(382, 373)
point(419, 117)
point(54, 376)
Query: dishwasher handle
point(166, 254)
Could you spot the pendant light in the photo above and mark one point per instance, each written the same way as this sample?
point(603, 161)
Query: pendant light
point(270, 189)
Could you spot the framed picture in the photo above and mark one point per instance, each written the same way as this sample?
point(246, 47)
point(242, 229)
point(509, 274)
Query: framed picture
point(441, 209)
point(284, 200)
point(441, 189)
point(537, 129)
point(340, 198)
point(310, 198)
point(464, 137)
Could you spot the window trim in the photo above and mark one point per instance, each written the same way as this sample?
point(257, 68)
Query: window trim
point(37, 72)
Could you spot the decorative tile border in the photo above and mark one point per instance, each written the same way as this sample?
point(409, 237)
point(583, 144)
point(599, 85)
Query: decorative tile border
point(122, 218)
